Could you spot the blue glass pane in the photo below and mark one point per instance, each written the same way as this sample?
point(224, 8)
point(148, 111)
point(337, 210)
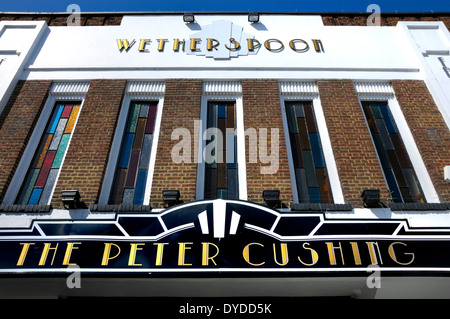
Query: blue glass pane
point(35, 195)
point(392, 185)
point(55, 119)
point(140, 187)
point(314, 195)
point(222, 111)
point(387, 118)
point(316, 150)
point(126, 150)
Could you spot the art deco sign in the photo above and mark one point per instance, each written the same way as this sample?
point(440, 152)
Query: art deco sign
point(204, 238)
point(219, 40)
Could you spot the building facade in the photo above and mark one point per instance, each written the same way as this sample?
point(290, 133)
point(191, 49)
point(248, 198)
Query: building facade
point(315, 145)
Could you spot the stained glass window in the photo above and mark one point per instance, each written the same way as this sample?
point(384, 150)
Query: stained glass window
point(309, 165)
point(134, 157)
point(41, 176)
point(400, 176)
point(221, 173)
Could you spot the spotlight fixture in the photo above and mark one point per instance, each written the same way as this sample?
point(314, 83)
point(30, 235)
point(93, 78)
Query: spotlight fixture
point(271, 197)
point(188, 17)
point(253, 17)
point(71, 199)
point(371, 198)
point(171, 197)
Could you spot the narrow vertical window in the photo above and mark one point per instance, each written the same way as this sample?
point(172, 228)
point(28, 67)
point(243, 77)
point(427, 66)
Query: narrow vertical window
point(133, 163)
point(221, 172)
point(41, 176)
point(400, 176)
point(310, 171)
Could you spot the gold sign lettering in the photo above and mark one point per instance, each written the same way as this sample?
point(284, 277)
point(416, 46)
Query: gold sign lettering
point(331, 255)
point(314, 256)
point(246, 254)
point(159, 253)
point(23, 253)
point(318, 45)
point(284, 254)
point(356, 255)
point(194, 42)
point(211, 44)
point(235, 47)
point(47, 248)
point(133, 251)
point(176, 44)
point(205, 254)
point(142, 45)
point(394, 257)
point(70, 247)
point(161, 44)
point(107, 252)
point(293, 47)
point(268, 42)
point(253, 44)
point(182, 253)
point(123, 44)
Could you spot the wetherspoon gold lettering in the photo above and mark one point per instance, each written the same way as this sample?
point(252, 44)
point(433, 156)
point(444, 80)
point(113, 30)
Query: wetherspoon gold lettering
point(272, 45)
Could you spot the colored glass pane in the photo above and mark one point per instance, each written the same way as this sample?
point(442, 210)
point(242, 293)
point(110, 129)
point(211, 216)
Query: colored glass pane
point(47, 160)
point(72, 119)
point(132, 167)
point(307, 154)
point(221, 169)
point(400, 176)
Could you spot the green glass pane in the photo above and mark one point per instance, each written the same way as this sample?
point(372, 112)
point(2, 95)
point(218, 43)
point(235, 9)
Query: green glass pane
point(61, 151)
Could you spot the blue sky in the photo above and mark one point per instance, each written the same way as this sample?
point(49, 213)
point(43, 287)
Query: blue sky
point(226, 5)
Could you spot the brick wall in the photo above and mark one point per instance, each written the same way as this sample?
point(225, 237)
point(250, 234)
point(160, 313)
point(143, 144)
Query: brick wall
point(88, 153)
point(355, 155)
point(386, 19)
point(182, 102)
point(60, 19)
point(262, 109)
point(17, 123)
point(428, 128)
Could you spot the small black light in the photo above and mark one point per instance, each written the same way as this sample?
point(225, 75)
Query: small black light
point(371, 198)
point(171, 197)
point(71, 198)
point(188, 17)
point(253, 17)
point(271, 197)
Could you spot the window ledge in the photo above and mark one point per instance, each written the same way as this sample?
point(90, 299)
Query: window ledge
point(320, 207)
point(25, 208)
point(419, 206)
point(120, 208)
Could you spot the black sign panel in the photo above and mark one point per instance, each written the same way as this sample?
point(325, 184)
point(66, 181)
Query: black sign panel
point(224, 236)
